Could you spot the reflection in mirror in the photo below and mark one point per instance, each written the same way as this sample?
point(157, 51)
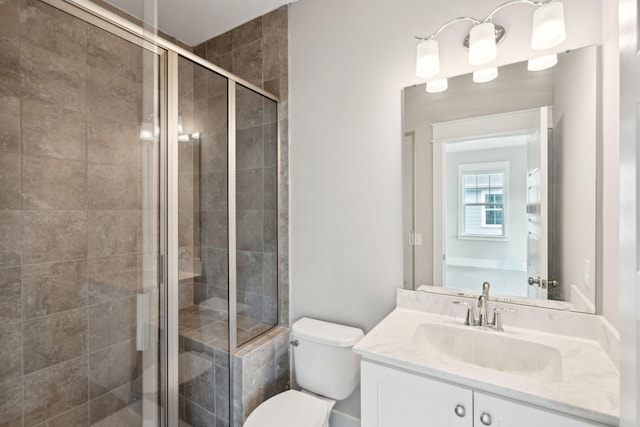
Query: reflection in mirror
point(500, 184)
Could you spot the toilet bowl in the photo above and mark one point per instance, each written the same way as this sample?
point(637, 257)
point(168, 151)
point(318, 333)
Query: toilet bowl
point(292, 408)
point(325, 368)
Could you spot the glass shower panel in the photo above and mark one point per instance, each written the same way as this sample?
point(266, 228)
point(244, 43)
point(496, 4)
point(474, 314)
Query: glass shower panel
point(79, 223)
point(256, 214)
point(203, 246)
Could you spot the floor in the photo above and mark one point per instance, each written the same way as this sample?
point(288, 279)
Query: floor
point(503, 282)
point(129, 416)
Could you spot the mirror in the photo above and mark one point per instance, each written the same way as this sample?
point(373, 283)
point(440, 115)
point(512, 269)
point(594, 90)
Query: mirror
point(500, 184)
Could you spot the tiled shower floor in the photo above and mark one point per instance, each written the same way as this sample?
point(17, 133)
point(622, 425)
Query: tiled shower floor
point(129, 416)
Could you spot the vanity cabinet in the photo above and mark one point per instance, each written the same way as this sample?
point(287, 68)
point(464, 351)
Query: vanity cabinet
point(393, 397)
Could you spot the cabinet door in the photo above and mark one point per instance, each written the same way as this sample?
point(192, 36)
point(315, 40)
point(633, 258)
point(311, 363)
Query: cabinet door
point(506, 413)
point(393, 398)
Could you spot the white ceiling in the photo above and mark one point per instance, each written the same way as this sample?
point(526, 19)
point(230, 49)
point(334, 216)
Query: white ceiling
point(194, 21)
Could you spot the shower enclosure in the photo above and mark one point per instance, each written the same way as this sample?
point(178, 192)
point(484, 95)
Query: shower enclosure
point(138, 223)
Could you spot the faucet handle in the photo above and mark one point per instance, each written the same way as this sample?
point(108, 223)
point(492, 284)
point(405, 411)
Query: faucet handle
point(496, 323)
point(471, 318)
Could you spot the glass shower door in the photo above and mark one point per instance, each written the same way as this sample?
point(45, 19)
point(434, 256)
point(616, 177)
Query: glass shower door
point(203, 251)
point(256, 214)
point(79, 222)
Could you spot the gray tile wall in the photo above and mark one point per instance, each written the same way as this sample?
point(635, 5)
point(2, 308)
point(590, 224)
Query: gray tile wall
point(261, 371)
point(189, 222)
point(258, 52)
point(71, 217)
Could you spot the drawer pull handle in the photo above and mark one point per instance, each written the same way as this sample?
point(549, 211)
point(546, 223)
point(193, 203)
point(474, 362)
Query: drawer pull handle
point(485, 419)
point(460, 411)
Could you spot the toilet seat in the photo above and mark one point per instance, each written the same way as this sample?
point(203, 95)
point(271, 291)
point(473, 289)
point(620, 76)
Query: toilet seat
point(291, 408)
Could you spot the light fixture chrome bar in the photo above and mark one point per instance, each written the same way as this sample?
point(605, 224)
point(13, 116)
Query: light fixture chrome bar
point(513, 2)
point(172, 239)
point(487, 19)
point(448, 24)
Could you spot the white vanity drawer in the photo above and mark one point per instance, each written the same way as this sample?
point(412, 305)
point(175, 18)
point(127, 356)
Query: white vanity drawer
point(392, 398)
point(507, 413)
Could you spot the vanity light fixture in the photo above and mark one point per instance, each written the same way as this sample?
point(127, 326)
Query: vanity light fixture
point(428, 62)
point(548, 31)
point(548, 26)
point(437, 86)
point(542, 62)
point(482, 43)
point(486, 75)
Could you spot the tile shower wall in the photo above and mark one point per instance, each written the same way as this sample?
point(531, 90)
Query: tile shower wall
point(71, 244)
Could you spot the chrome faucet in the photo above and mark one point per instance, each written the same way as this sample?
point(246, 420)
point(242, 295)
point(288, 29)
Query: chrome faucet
point(483, 305)
point(483, 309)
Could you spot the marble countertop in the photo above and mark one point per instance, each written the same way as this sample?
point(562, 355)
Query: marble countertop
point(589, 387)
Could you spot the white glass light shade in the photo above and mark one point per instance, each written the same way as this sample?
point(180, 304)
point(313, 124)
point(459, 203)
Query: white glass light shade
point(542, 62)
point(486, 75)
point(548, 26)
point(437, 86)
point(427, 59)
point(482, 44)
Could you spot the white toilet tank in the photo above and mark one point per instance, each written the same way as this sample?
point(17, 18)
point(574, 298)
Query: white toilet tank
point(323, 361)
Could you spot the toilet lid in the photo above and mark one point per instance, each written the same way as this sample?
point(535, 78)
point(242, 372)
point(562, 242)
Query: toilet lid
point(290, 408)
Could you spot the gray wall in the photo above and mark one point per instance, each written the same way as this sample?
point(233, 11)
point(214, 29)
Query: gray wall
point(349, 62)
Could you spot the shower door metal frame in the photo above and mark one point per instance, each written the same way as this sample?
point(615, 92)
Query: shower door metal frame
point(171, 335)
point(169, 54)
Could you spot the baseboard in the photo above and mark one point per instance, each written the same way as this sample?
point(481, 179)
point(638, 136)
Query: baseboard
point(340, 419)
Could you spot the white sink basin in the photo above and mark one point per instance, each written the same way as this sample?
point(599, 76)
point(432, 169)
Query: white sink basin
point(489, 349)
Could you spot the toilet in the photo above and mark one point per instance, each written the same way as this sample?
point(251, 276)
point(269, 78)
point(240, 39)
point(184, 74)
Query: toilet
point(325, 368)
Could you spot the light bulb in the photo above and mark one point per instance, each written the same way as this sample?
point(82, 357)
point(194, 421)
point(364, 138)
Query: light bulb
point(548, 26)
point(482, 44)
point(427, 59)
point(437, 86)
point(542, 62)
point(486, 75)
